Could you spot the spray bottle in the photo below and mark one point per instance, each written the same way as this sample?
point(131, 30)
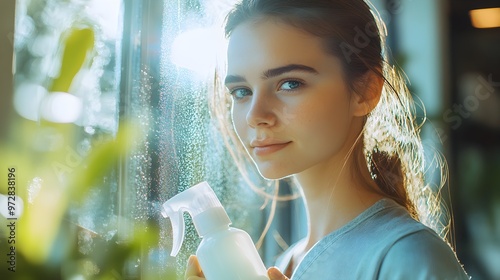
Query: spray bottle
point(225, 253)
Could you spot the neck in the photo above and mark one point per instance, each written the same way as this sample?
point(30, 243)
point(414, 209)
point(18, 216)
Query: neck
point(332, 195)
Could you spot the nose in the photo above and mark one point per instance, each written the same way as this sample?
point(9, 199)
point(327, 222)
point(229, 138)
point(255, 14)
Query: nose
point(261, 111)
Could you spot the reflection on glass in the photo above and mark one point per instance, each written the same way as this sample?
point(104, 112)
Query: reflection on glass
point(110, 120)
point(196, 50)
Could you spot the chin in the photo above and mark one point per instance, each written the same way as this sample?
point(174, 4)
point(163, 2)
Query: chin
point(273, 173)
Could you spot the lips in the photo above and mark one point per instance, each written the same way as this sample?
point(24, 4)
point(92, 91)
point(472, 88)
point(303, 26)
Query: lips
point(269, 146)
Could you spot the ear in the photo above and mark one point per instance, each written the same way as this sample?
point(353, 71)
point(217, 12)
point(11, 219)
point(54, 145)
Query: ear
point(367, 95)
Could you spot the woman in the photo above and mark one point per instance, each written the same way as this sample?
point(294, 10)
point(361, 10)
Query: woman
point(313, 99)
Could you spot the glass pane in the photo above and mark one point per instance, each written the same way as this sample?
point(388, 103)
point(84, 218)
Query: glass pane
point(108, 119)
point(184, 147)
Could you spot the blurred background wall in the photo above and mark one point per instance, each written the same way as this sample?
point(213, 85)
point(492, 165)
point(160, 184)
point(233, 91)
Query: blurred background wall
point(451, 53)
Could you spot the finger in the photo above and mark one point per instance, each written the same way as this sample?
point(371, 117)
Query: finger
point(275, 274)
point(193, 269)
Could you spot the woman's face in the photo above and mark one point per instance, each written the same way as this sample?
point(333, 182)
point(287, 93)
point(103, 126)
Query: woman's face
point(291, 106)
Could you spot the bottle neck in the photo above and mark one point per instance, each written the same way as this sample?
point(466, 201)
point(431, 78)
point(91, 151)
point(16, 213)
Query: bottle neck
point(211, 220)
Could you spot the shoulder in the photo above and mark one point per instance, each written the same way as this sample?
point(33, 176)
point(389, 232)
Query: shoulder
point(421, 255)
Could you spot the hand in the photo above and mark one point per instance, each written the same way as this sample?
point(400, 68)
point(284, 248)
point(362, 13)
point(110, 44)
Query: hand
point(275, 274)
point(193, 270)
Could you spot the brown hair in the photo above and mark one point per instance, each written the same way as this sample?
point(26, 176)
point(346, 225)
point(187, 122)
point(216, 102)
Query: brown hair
point(389, 144)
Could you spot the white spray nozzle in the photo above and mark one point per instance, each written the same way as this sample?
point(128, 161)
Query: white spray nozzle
point(204, 207)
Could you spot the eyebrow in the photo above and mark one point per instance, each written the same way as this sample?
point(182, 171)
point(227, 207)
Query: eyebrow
point(270, 73)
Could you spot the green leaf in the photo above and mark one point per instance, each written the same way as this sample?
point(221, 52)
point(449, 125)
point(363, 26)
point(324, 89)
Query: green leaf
point(77, 46)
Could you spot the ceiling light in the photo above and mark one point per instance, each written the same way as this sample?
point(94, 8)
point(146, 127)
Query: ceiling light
point(485, 18)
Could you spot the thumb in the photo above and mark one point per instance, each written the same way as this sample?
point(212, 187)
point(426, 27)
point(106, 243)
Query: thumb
point(193, 270)
point(275, 274)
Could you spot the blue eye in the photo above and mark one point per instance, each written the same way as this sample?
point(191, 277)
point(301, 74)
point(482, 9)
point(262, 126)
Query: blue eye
point(290, 85)
point(240, 93)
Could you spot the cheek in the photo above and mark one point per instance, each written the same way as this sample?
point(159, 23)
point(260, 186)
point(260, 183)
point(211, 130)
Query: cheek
point(238, 117)
point(327, 124)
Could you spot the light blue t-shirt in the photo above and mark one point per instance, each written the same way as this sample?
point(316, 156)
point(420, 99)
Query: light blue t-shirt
point(383, 242)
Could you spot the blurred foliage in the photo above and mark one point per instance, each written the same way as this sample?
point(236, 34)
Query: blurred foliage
point(78, 44)
point(47, 242)
point(54, 177)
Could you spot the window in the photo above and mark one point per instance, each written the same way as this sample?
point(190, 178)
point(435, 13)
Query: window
point(109, 119)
